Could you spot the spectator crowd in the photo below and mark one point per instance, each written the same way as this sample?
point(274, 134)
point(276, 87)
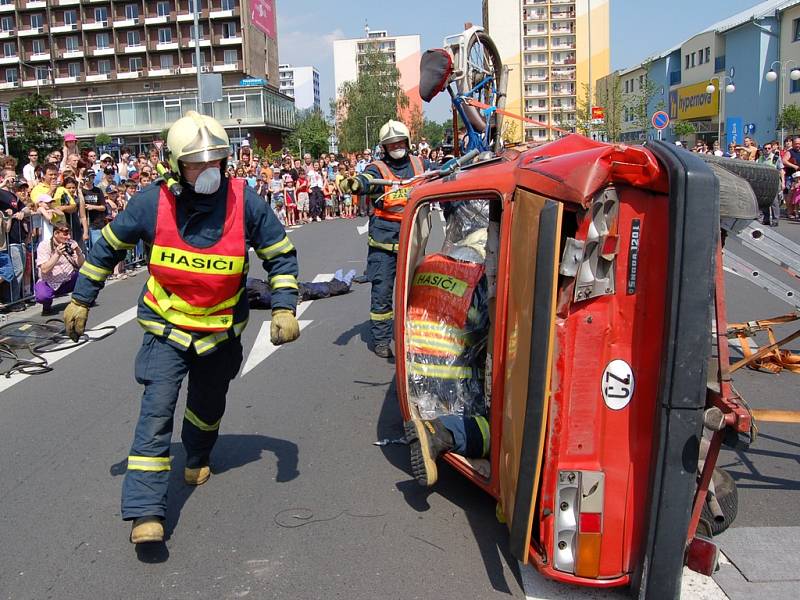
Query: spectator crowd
point(55, 206)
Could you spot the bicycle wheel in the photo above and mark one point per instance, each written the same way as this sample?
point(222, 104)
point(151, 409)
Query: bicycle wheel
point(482, 61)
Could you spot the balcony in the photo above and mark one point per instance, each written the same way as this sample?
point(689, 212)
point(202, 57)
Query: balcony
point(98, 77)
point(63, 28)
point(226, 67)
point(31, 32)
point(560, 15)
point(161, 72)
point(43, 56)
point(35, 82)
point(95, 25)
point(130, 74)
point(163, 46)
point(563, 46)
point(534, 32)
point(221, 14)
point(5, 34)
point(8, 85)
point(69, 79)
point(568, 75)
point(121, 23)
point(156, 20)
point(9, 60)
point(4, 8)
point(62, 53)
point(229, 41)
point(68, 2)
point(189, 43)
point(563, 92)
point(104, 51)
point(537, 16)
point(35, 4)
point(135, 49)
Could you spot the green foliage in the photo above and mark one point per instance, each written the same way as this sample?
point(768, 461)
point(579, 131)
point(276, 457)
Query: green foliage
point(511, 132)
point(583, 112)
point(41, 123)
point(101, 140)
point(365, 104)
point(610, 98)
point(683, 128)
point(789, 118)
point(433, 132)
point(312, 131)
point(639, 103)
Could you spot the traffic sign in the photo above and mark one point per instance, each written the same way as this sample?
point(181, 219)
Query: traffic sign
point(158, 144)
point(4, 113)
point(660, 120)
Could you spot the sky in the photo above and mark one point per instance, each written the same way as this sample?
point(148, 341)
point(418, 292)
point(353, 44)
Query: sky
point(639, 28)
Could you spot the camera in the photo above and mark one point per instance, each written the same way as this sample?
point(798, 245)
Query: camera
point(69, 249)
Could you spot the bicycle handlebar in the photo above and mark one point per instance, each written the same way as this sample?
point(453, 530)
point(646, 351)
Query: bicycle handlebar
point(449, 167)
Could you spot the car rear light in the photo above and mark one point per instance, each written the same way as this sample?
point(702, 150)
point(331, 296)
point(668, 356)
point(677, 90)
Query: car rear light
point(579, 522)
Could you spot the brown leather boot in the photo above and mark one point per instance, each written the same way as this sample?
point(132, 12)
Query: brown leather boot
point(196, 476)
point(147, 529)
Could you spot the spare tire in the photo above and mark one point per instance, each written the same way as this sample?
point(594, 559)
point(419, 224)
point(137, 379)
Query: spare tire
point(763, 178)
point(736, 197)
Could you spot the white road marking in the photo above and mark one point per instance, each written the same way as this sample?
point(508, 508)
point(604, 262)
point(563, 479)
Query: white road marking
point(263, 347)
point(537, 587)
point(57, 355)
point(362, 229)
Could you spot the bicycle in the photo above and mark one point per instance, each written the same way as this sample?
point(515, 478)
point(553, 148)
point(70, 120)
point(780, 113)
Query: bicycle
point(470, 69)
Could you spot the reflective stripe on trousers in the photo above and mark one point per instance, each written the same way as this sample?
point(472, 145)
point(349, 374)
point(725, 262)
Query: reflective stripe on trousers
point(161, 368)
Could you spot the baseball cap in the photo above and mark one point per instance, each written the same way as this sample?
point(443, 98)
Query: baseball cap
point(105, 156)
point(70, 137)
point(61, 224)
point(44, 198)
point(112, 189)
point(245, 143)
point(21, 183)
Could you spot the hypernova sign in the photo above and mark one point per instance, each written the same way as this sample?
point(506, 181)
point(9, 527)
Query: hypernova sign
point(693, 102)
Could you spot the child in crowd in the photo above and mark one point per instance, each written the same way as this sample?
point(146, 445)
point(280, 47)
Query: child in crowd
point(329, 192)
point(302, 195)
point(276, 188)
point(793, 203)
point(280, 212)
point(290, 201)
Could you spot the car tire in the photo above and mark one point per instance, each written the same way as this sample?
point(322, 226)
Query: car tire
point(728, 497)
point(736, 197)
point(764, 179)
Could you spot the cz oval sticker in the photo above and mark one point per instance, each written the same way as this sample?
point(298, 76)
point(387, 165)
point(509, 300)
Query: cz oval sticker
point(617, 384)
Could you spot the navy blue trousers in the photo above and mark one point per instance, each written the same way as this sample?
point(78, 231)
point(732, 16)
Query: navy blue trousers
point(381, 268)
point(161, 368)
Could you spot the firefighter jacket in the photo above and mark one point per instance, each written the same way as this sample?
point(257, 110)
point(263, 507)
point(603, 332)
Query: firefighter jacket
point(446, 333)
point(201, 239)
point(385, 233)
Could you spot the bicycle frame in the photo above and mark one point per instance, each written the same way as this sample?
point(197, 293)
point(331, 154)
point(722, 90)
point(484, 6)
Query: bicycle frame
point(475, 140)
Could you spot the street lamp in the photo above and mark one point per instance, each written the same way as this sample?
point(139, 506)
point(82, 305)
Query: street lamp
point(726, 87)
point(366, 129)
point(772, 75)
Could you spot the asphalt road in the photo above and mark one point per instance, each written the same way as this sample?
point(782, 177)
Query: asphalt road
point(301, 503)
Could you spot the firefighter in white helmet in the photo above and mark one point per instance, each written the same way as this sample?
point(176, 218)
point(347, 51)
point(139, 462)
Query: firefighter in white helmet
point(384, 225)
point(192, 308)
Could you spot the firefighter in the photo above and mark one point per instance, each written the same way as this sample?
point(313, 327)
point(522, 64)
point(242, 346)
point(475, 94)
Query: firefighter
point(384, 225)
point(447, 326)
point(193, 307)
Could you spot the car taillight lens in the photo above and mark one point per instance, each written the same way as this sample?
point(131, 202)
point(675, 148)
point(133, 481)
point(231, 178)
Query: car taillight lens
point(579, 522)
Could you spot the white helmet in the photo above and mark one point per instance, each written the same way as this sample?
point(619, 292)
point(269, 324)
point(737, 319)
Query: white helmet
point(196, 138)
point(394, 131)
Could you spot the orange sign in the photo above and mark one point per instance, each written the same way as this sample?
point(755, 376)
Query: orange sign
point(598, 113)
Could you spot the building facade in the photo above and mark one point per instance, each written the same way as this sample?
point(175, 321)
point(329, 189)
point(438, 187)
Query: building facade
point(128, 68)
point(734, 56)
point(403, 50)
point(302, 84)
point(555, 50)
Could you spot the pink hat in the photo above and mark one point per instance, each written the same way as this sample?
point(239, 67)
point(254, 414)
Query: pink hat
point(70, 137)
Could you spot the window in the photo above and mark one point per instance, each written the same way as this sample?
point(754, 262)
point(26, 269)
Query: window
point(641, 82)
point(228, 4)
point(163, 9)
point(202, 58)
point(231, 57)
point(9, 49)
point(11, 74)
point(542, 104)
point(72, 43)
point(102, 40)
point(166, 61)
point(70, 17)
point(700, 58)
point(133, 38)
point(708, 53)
point(37, 47)
point(192, 3)
point(794, 87)
point(42, 73)
point(101, 14)
point(37, 20)
point(94, 114)
point(7, 23)
point(694, 55)
point(687, 61)
point(796, 30)
point(104, 66)
point(131, 11)
point(229, 30)
point(135, 63)
point(164, 35)
point(74, 69)
point(201, 31)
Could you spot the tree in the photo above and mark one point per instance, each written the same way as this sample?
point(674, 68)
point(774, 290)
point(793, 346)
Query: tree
point(101, 140)
point(609, 96)
point(312, 131)
point(434, 132)
point(368, 102)
point(639, 103)
point(789, 118)
point(41, 123)
point(416, 124)
point(511, 132)
point(683, 128)
point(583, 112)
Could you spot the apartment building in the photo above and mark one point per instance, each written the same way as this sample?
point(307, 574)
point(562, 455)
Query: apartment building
point(302, 84)
point(129, 67)
point(554, 49)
